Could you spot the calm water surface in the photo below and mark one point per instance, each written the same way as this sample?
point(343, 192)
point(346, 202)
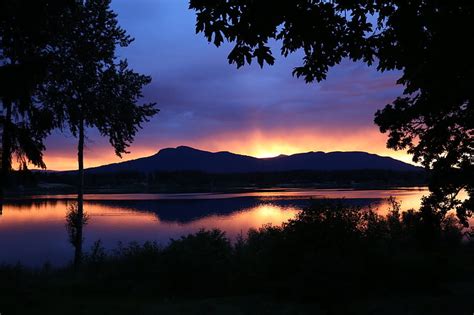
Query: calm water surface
point(32, 231)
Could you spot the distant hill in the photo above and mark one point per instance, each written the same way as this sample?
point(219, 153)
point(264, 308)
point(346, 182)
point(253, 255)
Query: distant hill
point(189, 159)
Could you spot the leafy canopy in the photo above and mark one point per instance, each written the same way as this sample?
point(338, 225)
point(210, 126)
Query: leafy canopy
point(27, 30)
point(428, 41)
point(89, 86)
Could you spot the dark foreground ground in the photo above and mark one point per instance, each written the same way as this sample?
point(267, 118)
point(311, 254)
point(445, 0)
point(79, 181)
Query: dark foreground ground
point(332, 259)
point(403, 304)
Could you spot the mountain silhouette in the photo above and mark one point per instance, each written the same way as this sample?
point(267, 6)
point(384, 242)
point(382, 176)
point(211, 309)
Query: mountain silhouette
point(189, 159)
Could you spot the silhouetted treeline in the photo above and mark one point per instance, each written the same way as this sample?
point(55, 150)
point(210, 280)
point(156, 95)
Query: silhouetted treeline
point(198, 181)
point(339, 258)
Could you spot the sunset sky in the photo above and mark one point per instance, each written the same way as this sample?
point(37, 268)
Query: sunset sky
point(208, 104)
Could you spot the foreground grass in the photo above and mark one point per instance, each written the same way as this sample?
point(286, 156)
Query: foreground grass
point(331, 259)
point(456, 300)
point(246, 305)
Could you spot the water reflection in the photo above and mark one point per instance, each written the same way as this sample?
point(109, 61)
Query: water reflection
point(76, 219)
point(33, 230)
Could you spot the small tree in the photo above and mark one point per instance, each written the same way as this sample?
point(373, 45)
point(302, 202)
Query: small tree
point(89, 88)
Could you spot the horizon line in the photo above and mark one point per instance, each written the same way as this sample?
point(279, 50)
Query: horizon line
point(226, 151)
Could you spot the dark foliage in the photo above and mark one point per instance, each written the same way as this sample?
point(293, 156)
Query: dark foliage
point(429, 41)
point(27, 30)
point(89, 86)
point(329, 254)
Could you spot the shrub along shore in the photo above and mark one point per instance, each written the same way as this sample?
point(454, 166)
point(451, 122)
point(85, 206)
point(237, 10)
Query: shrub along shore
point(331, 259)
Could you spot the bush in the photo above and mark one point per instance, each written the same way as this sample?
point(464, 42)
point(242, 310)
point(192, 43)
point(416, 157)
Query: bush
point(197, 264)
point(329, 253)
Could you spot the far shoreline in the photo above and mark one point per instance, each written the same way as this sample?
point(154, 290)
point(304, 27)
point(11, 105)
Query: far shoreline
point(71, 194)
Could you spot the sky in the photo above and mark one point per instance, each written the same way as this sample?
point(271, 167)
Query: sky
point(208, 104)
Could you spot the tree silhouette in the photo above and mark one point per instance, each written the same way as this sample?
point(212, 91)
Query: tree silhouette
point(89, 88)
point(429, 41)
point(27, 30)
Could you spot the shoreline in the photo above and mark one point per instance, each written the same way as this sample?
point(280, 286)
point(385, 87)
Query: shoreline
point(36, 195)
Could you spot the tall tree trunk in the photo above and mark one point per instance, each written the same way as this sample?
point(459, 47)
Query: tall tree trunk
point(80, 194)
point(6, 150)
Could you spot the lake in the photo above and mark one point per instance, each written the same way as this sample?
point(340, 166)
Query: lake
point(33, 230)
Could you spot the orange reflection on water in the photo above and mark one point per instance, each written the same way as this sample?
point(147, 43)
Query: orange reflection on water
point(35, 229)
point(241, 222)
point(104, 216)
point(47, 212)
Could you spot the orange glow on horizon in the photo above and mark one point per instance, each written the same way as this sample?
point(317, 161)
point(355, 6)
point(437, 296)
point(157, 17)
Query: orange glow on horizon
point(263, 144)
point(257, 143)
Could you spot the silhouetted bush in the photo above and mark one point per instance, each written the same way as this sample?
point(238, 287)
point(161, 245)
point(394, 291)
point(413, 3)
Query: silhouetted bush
point(329, 253)
point(199, 264)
